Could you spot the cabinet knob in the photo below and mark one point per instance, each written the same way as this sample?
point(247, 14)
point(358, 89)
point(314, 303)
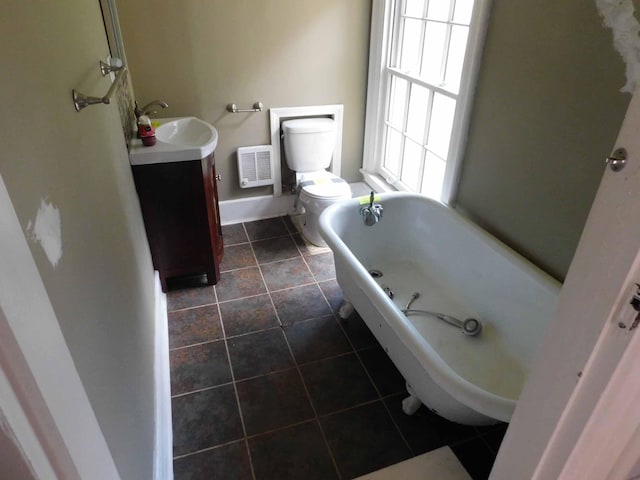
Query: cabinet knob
point(219, 177)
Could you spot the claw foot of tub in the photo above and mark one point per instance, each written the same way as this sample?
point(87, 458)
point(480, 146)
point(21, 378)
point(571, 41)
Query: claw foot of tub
point(411, 404)
point(346, 309)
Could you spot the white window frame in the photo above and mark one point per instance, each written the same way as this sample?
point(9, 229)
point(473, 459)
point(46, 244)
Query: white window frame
point(382, 22)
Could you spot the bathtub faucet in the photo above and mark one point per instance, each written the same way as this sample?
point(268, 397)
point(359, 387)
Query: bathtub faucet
point(372, 213)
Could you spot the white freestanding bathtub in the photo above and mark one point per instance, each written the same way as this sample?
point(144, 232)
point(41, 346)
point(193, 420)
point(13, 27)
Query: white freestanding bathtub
point(459, 270)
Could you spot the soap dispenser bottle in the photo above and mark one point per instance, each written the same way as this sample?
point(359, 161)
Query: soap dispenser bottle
point(146, 132)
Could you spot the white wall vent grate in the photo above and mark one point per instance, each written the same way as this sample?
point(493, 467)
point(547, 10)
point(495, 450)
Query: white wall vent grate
point(255, 166)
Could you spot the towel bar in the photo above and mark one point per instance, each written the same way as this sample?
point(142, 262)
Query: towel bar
point(80, 100)
point(233, 108)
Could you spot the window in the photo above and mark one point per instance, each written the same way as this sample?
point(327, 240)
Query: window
point(423, 62)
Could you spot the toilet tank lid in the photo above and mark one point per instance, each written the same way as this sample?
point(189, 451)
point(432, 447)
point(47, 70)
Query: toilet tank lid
point(308, 125)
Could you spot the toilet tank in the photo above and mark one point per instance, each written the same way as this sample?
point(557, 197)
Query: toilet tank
point(309, 143)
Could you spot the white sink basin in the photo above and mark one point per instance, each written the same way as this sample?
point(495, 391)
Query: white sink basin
point(177, 140)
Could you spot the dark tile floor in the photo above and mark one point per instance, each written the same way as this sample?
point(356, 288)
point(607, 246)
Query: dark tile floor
point(268, 383)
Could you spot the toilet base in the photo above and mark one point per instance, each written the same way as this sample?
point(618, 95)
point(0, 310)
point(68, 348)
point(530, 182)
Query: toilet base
point(313, 236)
point(307, 224)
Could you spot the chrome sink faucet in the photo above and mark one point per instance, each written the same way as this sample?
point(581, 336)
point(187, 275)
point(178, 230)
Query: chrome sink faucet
point(147, 109)
point(372, 213)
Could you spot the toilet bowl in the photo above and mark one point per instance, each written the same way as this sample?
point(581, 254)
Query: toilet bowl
point(317, 192)
point(308, 145)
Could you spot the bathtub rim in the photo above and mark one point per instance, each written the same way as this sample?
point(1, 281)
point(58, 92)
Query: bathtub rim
point(475, 397)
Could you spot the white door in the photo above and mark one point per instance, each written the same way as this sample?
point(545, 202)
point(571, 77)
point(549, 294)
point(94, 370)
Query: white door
point(584, 344)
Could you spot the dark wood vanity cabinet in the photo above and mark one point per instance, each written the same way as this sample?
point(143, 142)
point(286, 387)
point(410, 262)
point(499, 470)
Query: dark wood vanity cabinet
point(179, 203)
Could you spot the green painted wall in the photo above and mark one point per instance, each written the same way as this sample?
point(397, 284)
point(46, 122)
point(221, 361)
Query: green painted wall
point(546, 114)
point(102, 286)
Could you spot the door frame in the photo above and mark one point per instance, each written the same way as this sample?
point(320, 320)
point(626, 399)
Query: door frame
point(611, 437)
point(38, 366)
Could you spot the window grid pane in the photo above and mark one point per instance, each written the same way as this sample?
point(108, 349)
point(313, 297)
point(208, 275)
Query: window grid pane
point(411, 46)
point(439, 10)
point(455, 57)
point(441, 124)
point(393, 152)
point(462, 12)
point(412, 160)
point(424, 71)
point(398, 102)
point(418, 113)
point(433, 53)
point(414, 8)
point(433, 176)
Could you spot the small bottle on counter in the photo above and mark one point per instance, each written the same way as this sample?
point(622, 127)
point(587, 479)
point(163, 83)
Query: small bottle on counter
point(146, 132)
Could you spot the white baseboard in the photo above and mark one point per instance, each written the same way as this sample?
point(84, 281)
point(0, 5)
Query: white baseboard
point(269, 206)
point(163, 448)
point(255, 208)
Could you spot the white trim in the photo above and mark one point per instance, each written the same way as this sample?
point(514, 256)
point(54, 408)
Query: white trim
point(32, 320)
point(611, 438)
point(381, 25)
point(268, 206)
point(464, 103)
point(14, 422)
point(255, 208)
point(163, 451)
point(277, 115)
point(376, 182)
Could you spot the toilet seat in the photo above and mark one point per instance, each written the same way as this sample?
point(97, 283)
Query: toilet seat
point(324, 185)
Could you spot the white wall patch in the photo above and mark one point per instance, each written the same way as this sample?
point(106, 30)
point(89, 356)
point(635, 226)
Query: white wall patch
point(47, 231)
point(619, 15)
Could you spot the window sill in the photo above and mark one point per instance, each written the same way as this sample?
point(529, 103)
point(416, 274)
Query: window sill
point(377, 182)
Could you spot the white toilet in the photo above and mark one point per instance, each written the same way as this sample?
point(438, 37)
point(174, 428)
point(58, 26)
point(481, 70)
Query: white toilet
point(308, 147)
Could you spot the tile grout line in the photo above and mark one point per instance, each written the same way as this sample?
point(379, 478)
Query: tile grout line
point(303, 364)
point(263, 293)
point(261, 330)
point(199, 390)
point(296, 364)
point(208, 449)
point(235, 387)
point(314, 282)
point(279, 324)
point(380, 397)
point(262, 263)
point(304, 383)
point(197, 344)
point(302, 422)
point(192, 307)
point(324, 437)
point(297, 367)
point(313, 407)
point(484, 440)
point(280, 429)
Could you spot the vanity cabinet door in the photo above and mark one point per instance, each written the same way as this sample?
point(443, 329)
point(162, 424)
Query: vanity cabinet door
point(213, 210)
point(180, 211)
